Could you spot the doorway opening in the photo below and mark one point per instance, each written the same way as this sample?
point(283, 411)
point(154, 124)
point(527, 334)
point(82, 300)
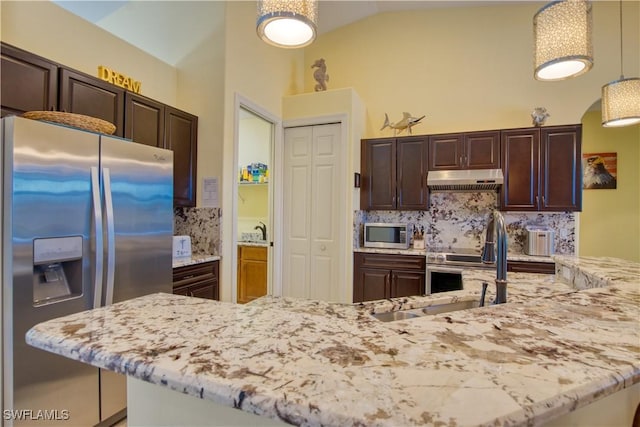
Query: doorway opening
point(253, 222)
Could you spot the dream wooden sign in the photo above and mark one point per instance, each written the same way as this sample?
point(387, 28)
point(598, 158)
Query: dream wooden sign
point(107, 74)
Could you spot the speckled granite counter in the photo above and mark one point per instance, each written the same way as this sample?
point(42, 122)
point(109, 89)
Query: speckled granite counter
point(423, 252)
point(194, 259)
point(262, 244)
point(552, 349)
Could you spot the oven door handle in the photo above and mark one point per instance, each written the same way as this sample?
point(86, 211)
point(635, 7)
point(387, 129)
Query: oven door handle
point(440, 269)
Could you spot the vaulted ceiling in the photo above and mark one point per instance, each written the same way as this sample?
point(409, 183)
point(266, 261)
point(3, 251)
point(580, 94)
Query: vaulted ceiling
point(166, 29)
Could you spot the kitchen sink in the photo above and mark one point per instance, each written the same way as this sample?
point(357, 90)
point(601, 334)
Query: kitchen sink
point(452, 306)
point(426, 311)
point(396, 315)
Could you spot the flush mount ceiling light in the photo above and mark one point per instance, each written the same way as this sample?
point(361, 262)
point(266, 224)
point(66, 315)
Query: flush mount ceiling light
point(621, 98)
point(287, 23)
point(562, 35)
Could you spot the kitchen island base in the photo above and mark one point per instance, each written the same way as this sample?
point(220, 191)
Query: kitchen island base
point(152, 405)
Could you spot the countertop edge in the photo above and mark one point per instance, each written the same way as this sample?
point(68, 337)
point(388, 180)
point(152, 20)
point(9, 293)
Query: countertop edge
point(194, 259)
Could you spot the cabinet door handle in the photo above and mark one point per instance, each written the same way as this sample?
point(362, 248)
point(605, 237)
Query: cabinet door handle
point(188, 277)
point(537, 200)
point(543, 201)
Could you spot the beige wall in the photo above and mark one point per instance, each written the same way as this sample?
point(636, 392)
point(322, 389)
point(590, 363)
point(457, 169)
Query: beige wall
point(610, 219)
point(263, 74)
point(467, 68)
point(47, 30)
point(201, 84)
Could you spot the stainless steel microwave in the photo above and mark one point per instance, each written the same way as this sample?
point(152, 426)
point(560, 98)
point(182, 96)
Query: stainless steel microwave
point(387, 235)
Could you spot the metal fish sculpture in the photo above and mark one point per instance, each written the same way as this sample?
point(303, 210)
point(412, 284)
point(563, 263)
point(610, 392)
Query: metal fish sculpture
point(406, 123)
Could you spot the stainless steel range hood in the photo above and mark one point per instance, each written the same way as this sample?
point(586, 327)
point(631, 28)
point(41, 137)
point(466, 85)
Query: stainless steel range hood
point(465, 180)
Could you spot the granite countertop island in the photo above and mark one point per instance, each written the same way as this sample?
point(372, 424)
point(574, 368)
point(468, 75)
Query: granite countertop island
point(557, 345)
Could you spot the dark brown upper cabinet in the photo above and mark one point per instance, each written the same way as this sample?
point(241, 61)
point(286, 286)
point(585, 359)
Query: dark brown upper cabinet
point(542, 169)
point(473, 150)
point(181, 137)
point(153, 123)
point(32, 83)
point(29, 82)
point(84, 94)
point(393, 174)
point(144, 120)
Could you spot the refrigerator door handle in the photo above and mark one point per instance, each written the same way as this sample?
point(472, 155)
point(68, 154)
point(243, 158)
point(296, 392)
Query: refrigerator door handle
point(111, 236)
point(97, 218)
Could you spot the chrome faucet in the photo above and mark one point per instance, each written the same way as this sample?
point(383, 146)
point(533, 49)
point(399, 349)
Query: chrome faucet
point(495, 251)
point(262, 228)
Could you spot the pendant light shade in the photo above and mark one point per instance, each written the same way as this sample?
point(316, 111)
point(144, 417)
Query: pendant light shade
point(287, 23)
point(562, 35)
point(621, 103)
point(621, 98)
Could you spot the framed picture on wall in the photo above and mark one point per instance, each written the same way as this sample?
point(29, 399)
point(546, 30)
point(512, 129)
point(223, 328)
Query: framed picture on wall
point(599, 170)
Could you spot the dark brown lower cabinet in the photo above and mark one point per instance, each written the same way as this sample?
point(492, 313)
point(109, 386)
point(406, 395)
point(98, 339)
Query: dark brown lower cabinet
point(198, 280)
point(381, 276)
point(531, 267)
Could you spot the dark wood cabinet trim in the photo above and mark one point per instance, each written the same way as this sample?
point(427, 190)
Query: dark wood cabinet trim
point(531, 267)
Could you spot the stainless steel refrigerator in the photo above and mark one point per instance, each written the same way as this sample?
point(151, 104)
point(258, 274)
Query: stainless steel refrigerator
point(87, 220)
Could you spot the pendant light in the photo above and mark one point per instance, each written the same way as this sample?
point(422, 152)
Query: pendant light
point(287, 23)
point(562, 35)
point(621, 98)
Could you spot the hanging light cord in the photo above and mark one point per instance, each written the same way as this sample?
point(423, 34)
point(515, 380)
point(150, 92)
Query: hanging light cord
point(621, 73)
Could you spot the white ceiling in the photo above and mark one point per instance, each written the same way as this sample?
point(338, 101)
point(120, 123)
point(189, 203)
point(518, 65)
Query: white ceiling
point(169, 29)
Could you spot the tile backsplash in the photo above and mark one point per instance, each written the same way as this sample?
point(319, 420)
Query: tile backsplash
point(203, 225)
point(459, 220)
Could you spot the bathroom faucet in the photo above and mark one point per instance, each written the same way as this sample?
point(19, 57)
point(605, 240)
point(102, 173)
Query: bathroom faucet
point(262, 228)
point(495, 250)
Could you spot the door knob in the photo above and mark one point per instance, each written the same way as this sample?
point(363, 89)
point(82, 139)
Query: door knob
point(323, 248)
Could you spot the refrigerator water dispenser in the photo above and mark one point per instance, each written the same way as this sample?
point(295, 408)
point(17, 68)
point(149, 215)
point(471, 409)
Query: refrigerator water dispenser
point(57, 269)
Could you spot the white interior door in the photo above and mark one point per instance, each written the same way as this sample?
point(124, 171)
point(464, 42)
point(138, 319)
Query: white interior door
point(312, 212)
